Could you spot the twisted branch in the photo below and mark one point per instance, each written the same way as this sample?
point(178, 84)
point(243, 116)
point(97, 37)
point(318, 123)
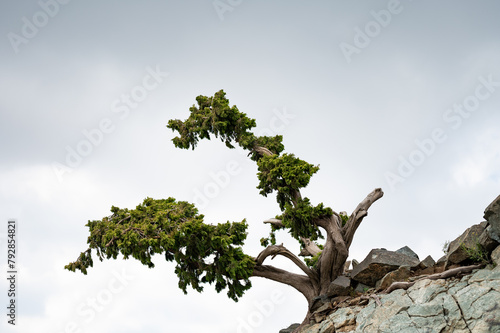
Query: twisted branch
point(358, 214)
point(310, 249)
point(274, 250)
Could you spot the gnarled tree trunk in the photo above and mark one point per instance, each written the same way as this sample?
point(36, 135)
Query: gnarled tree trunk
point(315, 281)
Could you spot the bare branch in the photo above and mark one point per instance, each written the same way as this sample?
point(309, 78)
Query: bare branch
point(300, 282)
point(443, 275)
point(263, 151)
point(274, 250)
point(310, 249)
point(358, 214)
point(275, 222)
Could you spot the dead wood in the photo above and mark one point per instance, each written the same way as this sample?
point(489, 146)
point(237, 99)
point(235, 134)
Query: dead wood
point(443, 275)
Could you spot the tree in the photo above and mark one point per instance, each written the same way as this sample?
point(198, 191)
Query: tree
point(212, 253)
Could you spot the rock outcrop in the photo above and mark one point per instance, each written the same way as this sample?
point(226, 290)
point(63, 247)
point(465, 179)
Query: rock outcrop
point(378, 263)
point(460, 305)
point(492, 215)
point(394, 291)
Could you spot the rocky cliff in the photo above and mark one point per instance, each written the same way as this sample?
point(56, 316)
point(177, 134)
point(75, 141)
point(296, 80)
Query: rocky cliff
point(460, 305)
point(394, 291)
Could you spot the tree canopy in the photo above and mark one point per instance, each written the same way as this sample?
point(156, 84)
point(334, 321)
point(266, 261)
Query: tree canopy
point(207, 253)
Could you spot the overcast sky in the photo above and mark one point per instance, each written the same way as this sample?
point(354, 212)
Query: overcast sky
point(398, 95)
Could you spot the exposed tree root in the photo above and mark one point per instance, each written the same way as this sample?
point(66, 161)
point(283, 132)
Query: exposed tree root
point(443, 275)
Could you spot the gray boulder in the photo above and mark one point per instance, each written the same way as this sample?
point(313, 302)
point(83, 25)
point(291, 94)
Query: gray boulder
point(400, 274)
point(378, 263)
point(492, 215)
point(495, 255)
point(426, 263)
point(409, 252)
point(475, 239)
point(341, 286)
point(318, 302)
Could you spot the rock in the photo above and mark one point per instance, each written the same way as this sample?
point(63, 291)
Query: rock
point(341, 286)
point(344, 317)
point(426, 263)
point(441, 260)
point(400, 274)
point(409, 252)
point(378, 263)
point(495, 255)
point(429, 266)
point(290, 328)
point(327, 327)
point(347, 265)
point(470, 304)
point(474, 238)
point(492, 215)
point(486, 241)
point(354, 263)
point(312, 328)
point(439, 266)
point(362, 288)
point(318, 302)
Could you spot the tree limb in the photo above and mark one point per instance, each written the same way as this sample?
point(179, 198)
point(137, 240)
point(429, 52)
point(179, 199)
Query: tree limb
point(274, 250)
point(443, 275)
point(358, 214)
point(263, 151)
point(300, 282)
point(310, 249)
point(276, 222)
point(332, 259)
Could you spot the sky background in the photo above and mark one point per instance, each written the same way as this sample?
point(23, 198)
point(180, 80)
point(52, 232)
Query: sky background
point(398, 95)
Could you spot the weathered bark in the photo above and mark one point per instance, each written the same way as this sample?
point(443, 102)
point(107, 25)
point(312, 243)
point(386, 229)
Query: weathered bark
point(310, 249)
point(331, 260)
point(301, 283)
point(335, 253)
point(274, 250)
point(275, 222)
point(358, 214)
point(263, 151)
point(443, 275)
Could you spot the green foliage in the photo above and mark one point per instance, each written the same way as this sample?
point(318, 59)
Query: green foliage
point(204, 253)
point(344, 219)
point(271, 239)
point(284, 174)
point(476, 253)
point(213, 115)
point(298, 219)
point(312, 262)
point(210, 253)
